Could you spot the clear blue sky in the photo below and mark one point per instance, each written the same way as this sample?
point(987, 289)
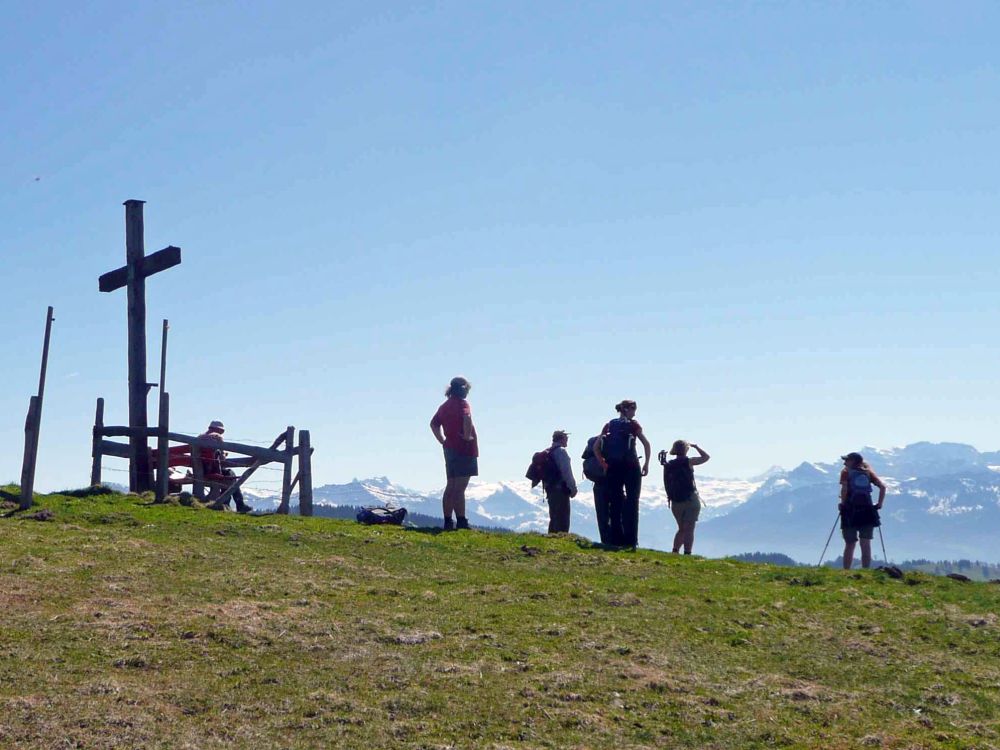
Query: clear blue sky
point(773, 225)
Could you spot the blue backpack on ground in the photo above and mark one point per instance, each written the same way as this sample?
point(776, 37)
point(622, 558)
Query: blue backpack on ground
point(592, 468)
point(618, 445)
point(378, 514)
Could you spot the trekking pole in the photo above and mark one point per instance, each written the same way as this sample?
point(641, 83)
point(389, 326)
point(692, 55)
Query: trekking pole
point(882, 539)
point(832, 529)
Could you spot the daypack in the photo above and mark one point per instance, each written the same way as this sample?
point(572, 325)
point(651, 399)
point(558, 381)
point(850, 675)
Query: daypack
point(378, 514)
point(859, 486)
point(592, 468)
point(678, 480)
point(619, 442)
point(542, 468)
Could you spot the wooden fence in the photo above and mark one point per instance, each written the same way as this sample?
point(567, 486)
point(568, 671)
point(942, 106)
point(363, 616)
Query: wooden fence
point(283, 451)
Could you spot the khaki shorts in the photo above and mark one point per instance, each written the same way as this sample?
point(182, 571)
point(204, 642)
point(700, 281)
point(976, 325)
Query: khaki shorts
point(851, 533)
point(687, 512)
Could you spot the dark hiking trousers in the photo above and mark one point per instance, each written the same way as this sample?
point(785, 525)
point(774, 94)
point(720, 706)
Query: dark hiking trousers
point(558, 498)
point(623, 484)
point(603, 510)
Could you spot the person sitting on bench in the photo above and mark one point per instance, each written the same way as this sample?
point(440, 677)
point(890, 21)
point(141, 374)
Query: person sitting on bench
point(211, 461)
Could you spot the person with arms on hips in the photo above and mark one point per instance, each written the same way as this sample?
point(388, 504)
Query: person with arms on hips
point(560, 485)
point(858, 514)
point(212, 463)
point(682, 494)
point(452, 427)
point(616, 454)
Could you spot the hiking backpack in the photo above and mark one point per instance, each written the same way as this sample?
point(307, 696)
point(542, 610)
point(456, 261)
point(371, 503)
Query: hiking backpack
point(859, 486)
point(678, 480)
point(592, 468)
point(542, 468)
point(619, 442)
point(377, 514)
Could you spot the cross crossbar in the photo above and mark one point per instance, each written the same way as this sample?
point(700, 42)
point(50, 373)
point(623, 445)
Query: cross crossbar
point(161, 260)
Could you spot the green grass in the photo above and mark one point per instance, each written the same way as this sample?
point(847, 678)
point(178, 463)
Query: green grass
point(127, 624)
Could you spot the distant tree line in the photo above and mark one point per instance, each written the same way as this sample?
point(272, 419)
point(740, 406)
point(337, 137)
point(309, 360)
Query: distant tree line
point(977, 570)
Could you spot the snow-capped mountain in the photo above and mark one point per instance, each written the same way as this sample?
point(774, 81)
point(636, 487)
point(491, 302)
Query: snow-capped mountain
point(943, 503)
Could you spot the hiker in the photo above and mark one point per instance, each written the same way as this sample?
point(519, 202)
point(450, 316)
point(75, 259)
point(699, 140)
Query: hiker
point(616, 453)
point(858, 515)
point(593, 471)
point(559, 485)
point(212, 460)
point(682, 494)
point(452, 427)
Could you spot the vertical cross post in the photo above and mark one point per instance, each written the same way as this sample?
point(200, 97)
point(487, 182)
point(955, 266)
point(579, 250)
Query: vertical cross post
point(133, 276)
point(135, 252)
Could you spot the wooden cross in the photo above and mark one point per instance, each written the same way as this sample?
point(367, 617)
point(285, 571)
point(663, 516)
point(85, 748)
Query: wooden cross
point(133, 276)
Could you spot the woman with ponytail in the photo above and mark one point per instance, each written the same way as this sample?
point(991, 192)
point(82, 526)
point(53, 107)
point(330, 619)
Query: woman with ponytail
point(452, 427)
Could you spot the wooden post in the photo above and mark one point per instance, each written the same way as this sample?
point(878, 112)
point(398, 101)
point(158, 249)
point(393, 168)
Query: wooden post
point(286, 479)
point(305, 475)
point(163, 422)
point(95, 467)
point(33, 423)
point(30, 445)
point(198, 470)
point(163, 448)
point(163, 356)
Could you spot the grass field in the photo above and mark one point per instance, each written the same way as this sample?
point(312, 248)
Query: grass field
point(132, 625)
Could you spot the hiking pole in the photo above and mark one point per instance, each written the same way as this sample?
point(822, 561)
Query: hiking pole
point(882, 539)
point(832, 529)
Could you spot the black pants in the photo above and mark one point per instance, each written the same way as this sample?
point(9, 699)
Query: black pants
point(623, 484)
point(237, 495)
point(603, 510)
point(558, 498)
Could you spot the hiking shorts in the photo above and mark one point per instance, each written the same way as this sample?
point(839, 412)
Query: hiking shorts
point(460, 465)
point(851, 533)
point(687, 512)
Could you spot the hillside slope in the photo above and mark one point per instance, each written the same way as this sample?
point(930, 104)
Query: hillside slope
point(130, 625)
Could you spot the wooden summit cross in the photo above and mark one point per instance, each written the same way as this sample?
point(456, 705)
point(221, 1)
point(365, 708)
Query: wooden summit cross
point(133, 275)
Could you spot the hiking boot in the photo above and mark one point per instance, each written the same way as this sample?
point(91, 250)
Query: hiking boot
point(463, 523)
point(449, 525)
point(244, 509)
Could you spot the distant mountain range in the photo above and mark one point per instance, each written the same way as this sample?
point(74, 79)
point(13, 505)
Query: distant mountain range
point(943, 503)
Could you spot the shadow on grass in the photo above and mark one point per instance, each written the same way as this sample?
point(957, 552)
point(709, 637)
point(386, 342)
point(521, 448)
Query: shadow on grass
point(93, 491)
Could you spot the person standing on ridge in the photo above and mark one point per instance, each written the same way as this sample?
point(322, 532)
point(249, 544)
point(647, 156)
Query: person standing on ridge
point(560, 486)
point(212, 463)
point(452, 427)
point(616, 453)
point(593, 471)
point(682, 494)
point(858, 515)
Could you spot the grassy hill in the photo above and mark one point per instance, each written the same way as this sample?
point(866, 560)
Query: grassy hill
point(127, 624)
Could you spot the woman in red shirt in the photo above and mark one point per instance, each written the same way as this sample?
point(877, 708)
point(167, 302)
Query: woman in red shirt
point(452, 427)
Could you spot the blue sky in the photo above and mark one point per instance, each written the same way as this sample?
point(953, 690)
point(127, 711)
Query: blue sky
point(773, 225)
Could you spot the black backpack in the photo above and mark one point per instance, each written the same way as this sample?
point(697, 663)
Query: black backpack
point(379, 514)
point(619, 442)
point(678, 480)
point(592, 468)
